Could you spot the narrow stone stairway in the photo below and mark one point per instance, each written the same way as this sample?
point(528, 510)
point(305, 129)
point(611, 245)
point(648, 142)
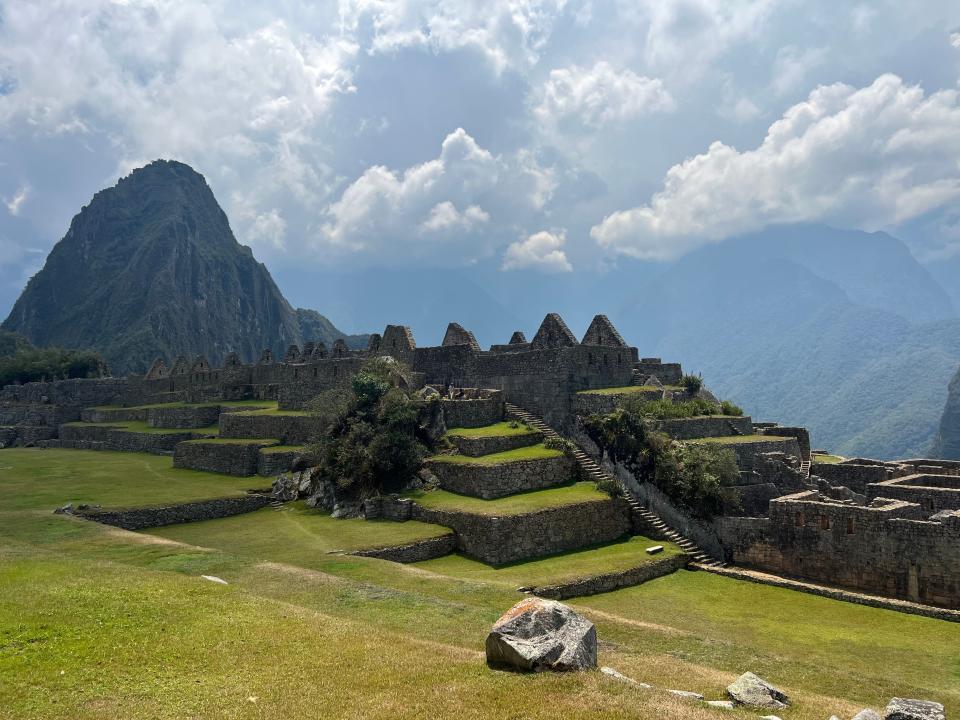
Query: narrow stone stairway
point(592, 470)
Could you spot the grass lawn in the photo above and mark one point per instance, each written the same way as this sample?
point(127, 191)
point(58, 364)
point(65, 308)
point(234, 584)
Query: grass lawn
point(512, 505)
point(531, 452)
point(264, 404)
point(139, 426)
point(824, 458)
point(31, 478)
point(625, 390)
point(555, 569)
point(500, 429)
point(740, 439)
point(97, 622)
point(274, 412)
point(301, 530)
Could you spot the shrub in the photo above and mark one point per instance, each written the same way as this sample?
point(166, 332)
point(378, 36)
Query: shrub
point(728, 408)
point(692, 383)
point(30, 364)
point(561, 444)
point(374, 435)
point(610, 486)
point(698, 477)
point(665, 409)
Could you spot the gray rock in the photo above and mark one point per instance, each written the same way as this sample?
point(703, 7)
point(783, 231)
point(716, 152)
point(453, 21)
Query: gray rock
point(537, 634)
point(346, 510)
point(64, 509)
point(620, 677)
point(686, 695)
point(748, 689)
point(906, 709)
point(769, 717)
point(722, 704)
point(654, 549)
point(285, 488)
point(867, 714)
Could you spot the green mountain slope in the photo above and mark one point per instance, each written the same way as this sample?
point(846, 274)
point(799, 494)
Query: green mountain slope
point(150, 268)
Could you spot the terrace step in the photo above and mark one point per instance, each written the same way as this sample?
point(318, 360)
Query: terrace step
point(594, 471)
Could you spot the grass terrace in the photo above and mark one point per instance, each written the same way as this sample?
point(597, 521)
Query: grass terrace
point(274, 412)
point(235, 441)
point(826, 458)
point(628, 390)
point(139, 426)
point(500, 429)
point(97, 622)
point(31, 478)
point(282, 449)
point(264, 404)
point(518, 504)
point(301, 530)
point(739, 439)
point(555, 569)
point(531, 452)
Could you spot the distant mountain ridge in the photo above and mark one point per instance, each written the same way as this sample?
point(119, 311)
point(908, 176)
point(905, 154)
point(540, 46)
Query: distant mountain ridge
point(150, 268)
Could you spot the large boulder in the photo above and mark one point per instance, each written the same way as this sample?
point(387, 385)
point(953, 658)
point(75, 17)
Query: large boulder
point(748, 689)
point(536, 635)
point(905, 709)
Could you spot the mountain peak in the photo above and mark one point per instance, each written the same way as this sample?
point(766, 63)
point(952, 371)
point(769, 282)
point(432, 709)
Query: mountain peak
point(150, 268)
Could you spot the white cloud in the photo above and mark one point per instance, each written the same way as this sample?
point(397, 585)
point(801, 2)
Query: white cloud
point(792, 66)
point(418, 204)
point(509, 34)
point(16, 202)
point(595, 96)
point(541, 251)
point(445, 216)
point(869, 157)
point(955, 39)
point(268, 228)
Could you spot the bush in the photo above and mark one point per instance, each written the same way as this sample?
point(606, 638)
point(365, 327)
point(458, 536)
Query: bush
point(374, 435)
point(728, 408)
point(698, 477)
point(30, 364)
point(561, 444)
point(692, 383)
point(667, 410)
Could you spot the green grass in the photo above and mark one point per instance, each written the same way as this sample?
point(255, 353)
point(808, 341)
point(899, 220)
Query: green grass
point(531, 452)
point(298, 531)
point(274, 412)
point(282, 449)
point(32, 478)
point(826, 458)
point(625, 390)
point(561, 568)
point(101, 623)
point(140, 426)
point(740, 439)
point(512, 505)
point(501, 429)
point(265, 404)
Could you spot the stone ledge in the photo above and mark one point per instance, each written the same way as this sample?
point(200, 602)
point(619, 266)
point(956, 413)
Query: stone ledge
point(480, 446)
point(414, 552)
point(157, 516)
point(614, 580)
point(502, 479)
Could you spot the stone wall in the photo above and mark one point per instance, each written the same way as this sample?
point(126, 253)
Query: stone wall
point(72, 393)
point(933, 493)
point(498, 540)
point(111, 438)
point(705, 427)
point(856, 475)
point(289, 429)
point(227, 458)
point(473, 413)
point(183, 417)
point(667, 373)
point(749, 454)
point(502, 479)
point(275, 463)
point(478, 446)
point(607, 582)
point(119, 414)
point(157, 516)
point(800, 434)
point(888, 549)
point(414, 552)
point(585, 403)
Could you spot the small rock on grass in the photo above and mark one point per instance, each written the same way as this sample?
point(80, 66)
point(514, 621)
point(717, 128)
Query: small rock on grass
point(722, 704)
point(610, 672)
point(867, 714)
point(686, 695)
point(748, 689)
point(214, 578)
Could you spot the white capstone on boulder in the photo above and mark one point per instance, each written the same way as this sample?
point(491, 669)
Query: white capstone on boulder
point(537, 635)
point(748, 689)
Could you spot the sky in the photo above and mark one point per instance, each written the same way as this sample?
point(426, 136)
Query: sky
point(541, 139)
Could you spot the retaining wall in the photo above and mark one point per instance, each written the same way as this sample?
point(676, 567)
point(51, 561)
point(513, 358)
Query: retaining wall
point(613, 581)
point(122, 440)
point(854, 475)
point(414, 552)
point(478, 446)
point(227, 458)
point(502, 479)
point(705, 427)
point(473, 413)
point(289, 429)
point(157, 516)
point(604, 403)
point(183, 417)
point(275, 463)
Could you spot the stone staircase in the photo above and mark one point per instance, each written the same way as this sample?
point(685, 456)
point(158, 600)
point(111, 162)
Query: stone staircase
point(592, 470)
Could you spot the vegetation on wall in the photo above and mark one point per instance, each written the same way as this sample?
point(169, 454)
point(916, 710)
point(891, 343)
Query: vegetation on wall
point(20, 362)
point(698, 477)
point(374, 435)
